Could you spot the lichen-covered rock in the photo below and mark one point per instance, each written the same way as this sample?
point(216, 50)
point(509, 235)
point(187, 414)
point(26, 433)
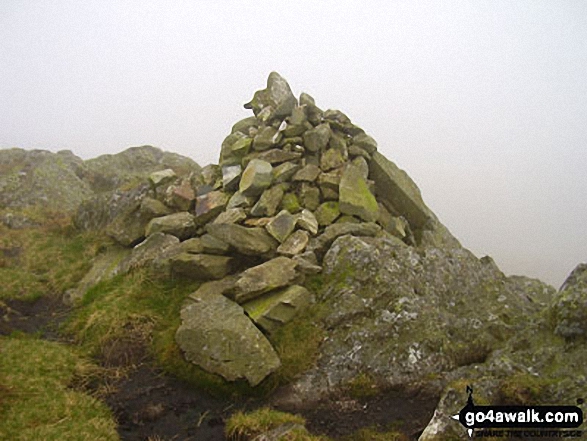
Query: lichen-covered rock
point(307, 221)
point(327, 213)
point(258, 280)
point(398, 192)
point(268, 202)
point(256, 178)
point(295, 244)
point(274, 309)
point(354, 196)
point(278, 97)
point(569, 305)
point(147, 251)
point(317, 138)
point(162, 177)
point(247, 241)
point(201, 266)
point(231, 216)
point(210, 205)
point(216, 335)
point(308, 174)
point(180, 225)
point(282, 225)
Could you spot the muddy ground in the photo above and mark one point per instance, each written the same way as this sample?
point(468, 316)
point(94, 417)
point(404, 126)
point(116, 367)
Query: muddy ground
point(150, 405)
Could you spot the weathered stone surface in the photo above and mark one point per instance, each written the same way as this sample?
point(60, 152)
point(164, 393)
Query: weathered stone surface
point(192, 246)
point(308, 174)
point(231, 216)
point(295, 244)
point(213, 245)
point(327, 213)
point(332, 158)
point(244, 125)
point(268, 202)
point(393, 225)
point(258, 280)
point(201, 266)
point(365, 142)
point(332, 232)
point(277, 156)
point(247, 241)
point(180, 225)
point(258, 221)
point(398, 192)
point(154, 208)
point(284, 172)
point(274, 309)
point(266, 138)
point(231, 176)
point(569, 305)
point(307, 221)
point(209, 206)
point(147, 251)
point(162, 177)
point(103, 268)
point(291, 203)
point(361, 164)
point(309, 196)
point(307, 263)
point(354, 196)
point(216, 335)
point(128, 227)
point(282, 225)
point(317, 139)
point(210, 176)
point(181, 196)
point(238, 200)
point(277, 96)
point(256, 178)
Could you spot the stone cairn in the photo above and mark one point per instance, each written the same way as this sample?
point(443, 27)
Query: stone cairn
point(290, 180)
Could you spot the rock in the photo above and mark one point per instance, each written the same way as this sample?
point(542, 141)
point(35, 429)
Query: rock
point(162, 177)
point(316, 139)
point(214, 287)
point(145, 252)
point(323, 242)
point(332, 158)
point(282, 225)
point(244, 125)
point(398, 192)
point(361, 164)
point(284, 172)
point(201, 266)
point(181, 196)
point(291, 203)
point(103, 268)
point(309, 196)
point(329, 182)
point(238, 200)
point(258, 222)
point(247, 241)
point(327, 213)
point(307, 221)
point(154, 208)
point(210, 178)
point(307, 263)
point(354, 196)
point(266, 138)
point(256, 178)
point(355, 151)
point(274, 309)
point(395, 226)
point(128, 227)
point(180, 225)
point(277, 96)
point(308, 174)
point(268, 276)
point(268, 202)
point(216, 335)
point(277, 156)
point(231, 176)
point(192, 246)
point(231, 216)
point(209, 206)
point(295, 244)
point(213, 245)
point(569, 305)
point(365, 142)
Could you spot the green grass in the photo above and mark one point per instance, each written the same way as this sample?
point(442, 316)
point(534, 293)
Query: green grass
point(47, 260)
point(246, 426)
point(36, 401)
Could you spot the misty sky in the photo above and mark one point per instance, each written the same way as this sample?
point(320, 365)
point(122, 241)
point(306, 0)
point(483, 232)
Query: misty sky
point(483, 103)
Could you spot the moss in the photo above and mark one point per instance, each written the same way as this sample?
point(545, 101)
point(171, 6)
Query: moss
point(362, 386)
point(522, 389)
point(375, 434)
point(39, 403)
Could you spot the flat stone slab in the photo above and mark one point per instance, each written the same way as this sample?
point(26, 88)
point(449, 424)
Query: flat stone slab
point(273, 274)
point(275, 309)
point(180, 225)
point(247, 241)
point(201, 266)
point(216, 335)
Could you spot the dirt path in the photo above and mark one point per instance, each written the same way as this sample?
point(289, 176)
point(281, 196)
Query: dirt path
point(150, 405)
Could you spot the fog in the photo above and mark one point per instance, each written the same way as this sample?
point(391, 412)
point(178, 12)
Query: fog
point(483, 103)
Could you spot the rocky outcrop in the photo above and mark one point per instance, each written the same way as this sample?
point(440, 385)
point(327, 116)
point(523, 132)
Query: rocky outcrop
point(569, 305)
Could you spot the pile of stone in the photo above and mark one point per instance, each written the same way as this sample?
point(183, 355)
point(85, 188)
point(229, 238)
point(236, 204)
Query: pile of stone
point(290, 180)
